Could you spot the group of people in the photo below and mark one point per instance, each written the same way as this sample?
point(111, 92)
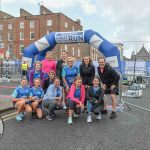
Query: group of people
point(63, 85)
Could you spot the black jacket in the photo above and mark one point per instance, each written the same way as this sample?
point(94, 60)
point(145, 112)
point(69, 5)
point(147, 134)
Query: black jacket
point(109, 76)
point(93, 97)
point(59, 67)
point(46, 84)
point(87, 73)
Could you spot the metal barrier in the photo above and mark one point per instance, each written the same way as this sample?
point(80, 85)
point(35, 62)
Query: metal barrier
point(134, 91)
point(10, 72)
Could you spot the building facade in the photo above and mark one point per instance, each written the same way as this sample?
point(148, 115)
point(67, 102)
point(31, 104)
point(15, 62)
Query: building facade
point(142, 55)
point(18, 32)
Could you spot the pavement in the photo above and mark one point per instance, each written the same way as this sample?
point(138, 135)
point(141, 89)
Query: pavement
point(6, 89)
point(129, 131)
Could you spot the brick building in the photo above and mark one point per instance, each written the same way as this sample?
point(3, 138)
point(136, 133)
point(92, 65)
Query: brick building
point(18, 32)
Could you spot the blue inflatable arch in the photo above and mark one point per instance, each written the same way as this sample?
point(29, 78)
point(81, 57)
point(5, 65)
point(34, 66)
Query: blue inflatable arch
point(48, 42)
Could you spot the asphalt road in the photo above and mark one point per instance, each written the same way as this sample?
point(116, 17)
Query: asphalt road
point(129, 131)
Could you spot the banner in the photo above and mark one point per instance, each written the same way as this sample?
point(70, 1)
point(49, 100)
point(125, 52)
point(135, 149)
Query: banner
point(138, 67)
point(69, 37)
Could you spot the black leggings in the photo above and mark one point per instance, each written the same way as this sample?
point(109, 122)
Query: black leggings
point(72, 105)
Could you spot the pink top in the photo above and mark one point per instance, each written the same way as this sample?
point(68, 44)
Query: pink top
point(48, 65)
point(73, 90)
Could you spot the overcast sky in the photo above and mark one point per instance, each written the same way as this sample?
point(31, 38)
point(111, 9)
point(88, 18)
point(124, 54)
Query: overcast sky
point(115, 20)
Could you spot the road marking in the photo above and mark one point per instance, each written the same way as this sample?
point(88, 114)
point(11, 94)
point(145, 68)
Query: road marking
point(6, 117)
point(5, 96)
point(10, 87)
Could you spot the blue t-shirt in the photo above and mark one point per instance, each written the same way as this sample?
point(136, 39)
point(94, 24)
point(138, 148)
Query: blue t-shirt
point(77, 93)
point(37, 75)
point(70, 74)
point(21, 92)
point(95, 89)
point(38, 92)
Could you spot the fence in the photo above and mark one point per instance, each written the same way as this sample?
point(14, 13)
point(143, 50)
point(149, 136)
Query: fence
point(134, 90)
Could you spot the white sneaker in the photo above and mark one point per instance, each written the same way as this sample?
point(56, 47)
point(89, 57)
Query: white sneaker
point(89, 119)
point(75, 115)
point(64, 107)
point(99, 117)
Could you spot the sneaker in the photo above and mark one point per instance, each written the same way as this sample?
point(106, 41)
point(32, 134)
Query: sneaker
point(75, 115)
point(113, 115)
point(64, 107)
point(22, 115)
point(49, 117)
point(99, 117)
point(89, 119)
point(104, 112)
point(18, 118)
point(70, 120)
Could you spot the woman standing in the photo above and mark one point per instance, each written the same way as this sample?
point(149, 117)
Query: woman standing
point(69, 73)
point(76, 98)
point(36, 72)
point(48, 63)
point(87, 72)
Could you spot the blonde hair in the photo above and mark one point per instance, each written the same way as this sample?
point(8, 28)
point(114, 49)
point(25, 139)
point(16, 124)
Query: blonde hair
point(70, 58)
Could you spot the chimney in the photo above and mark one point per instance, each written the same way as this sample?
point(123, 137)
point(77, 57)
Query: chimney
point(78, 21)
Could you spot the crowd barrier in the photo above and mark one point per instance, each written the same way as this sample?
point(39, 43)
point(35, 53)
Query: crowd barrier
point(134, 90)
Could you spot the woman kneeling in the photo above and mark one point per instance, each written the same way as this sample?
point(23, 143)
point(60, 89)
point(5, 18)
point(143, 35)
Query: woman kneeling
point(76, 99)
point(53, 98)
point(37, 94)
point(21, 100)
point(94, 97)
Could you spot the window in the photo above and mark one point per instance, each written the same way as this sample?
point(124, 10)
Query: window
point(10, 48)
point(10, 38)
point(66, 25)
point(72, 28)
point(21, 48)
point(49, 23)
point(1, 37)
point(78, 52)
point(1, 27)
point(31, 24)
point(9, 26)
point(21, 25)
point(21, 36)
point(65, 47)
point(32, 35)
point(72, 51)
point(1, 45)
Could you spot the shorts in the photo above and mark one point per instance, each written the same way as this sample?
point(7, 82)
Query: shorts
point(114, 91)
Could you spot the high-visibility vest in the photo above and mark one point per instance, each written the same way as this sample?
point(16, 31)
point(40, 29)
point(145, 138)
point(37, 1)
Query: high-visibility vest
point(24, 66)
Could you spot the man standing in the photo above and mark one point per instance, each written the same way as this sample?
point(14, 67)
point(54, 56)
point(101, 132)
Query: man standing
point(24, 67)
point(110, 83)
point(60, 65)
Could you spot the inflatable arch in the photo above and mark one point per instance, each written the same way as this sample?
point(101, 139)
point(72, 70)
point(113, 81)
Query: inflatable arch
point(49, 41)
